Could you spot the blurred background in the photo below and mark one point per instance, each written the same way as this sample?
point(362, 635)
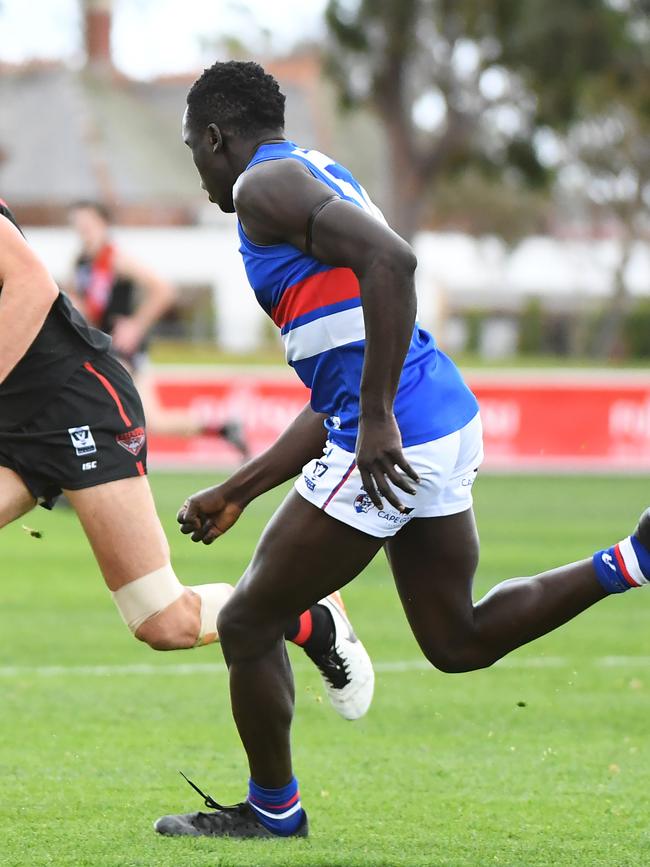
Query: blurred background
point(509, 142)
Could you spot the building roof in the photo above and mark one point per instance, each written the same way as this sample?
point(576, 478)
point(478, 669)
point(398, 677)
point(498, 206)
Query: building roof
point(69, 134)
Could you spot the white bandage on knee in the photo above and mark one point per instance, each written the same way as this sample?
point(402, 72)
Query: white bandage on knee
point(213, 598)
point(147, 596)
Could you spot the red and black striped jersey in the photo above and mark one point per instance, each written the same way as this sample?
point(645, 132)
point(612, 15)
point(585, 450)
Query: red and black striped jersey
point(64, 342)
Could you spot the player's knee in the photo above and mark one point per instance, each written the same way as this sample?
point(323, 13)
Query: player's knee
point(456, 658)
point(242, 633)
point(164, 614)
point(175, 628)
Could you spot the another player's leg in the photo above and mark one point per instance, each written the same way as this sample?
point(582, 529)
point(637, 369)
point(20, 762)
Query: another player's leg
point(292, 567)
point(120, 521)
point(15, 498)
point(328, 638)
point(434, 560)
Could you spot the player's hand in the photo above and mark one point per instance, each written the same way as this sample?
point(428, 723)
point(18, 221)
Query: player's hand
point(127, 335)
point(209, 514)
point(380, 460)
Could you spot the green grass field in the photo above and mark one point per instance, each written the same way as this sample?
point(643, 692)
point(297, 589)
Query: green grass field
point(542, 760)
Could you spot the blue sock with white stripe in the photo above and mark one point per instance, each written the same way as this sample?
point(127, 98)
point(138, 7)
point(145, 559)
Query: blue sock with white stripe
point(279, 810)
point(623, 566)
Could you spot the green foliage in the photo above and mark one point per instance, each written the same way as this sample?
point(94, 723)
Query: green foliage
point(551, 63)
point(533, 762)
point(531, 328)
point(637, 330)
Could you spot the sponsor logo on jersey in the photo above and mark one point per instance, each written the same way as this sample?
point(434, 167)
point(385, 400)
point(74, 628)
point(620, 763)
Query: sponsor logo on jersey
point(82, 440)
point(132, 440)
point(89, 465)
point(362, 503)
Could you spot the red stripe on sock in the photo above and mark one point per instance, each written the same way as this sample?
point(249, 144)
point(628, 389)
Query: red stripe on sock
point(621, 564)
point(109, 388)
point(305, 630)
point(267, 806)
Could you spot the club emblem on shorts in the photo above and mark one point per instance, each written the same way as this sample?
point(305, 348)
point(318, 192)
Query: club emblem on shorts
point(362, 503)
point(132, 440)
point(82, 440)
point(319, 470)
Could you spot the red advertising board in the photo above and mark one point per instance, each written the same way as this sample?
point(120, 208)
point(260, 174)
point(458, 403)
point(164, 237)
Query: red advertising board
point(531, 421)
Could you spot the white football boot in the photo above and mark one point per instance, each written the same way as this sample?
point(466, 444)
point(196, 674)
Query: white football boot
point(347, 671)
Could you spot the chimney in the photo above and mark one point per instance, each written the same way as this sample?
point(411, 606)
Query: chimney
point(97, 30)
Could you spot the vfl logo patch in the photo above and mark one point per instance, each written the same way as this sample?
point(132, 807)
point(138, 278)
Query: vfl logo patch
point(82, 440)
point(362, 503)
point(132, 440)
point(319, 470)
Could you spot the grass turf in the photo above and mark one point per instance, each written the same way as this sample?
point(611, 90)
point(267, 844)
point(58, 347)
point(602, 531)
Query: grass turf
point(540, 761)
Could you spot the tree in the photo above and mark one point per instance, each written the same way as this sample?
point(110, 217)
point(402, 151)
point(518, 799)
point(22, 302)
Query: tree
point(604, 165)
point(460, 83)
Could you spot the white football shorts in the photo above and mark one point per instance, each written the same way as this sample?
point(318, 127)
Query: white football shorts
point(447, 468)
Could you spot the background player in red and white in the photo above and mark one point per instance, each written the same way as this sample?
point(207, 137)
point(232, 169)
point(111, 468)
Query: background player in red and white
point(402, 444)
point(71, 420)
point(126, 298)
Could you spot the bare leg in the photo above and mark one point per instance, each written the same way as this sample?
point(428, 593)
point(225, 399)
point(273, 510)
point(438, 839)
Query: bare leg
point(120, 521)
point(15, 498)
point(433, 562)
point(303, 555)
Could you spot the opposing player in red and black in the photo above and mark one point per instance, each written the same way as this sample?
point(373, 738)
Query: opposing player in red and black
point(125, 298)
point(71, 420)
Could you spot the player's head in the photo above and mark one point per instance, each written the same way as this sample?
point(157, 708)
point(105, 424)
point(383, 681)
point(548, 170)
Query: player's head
point(231, 106)
point(91, 221)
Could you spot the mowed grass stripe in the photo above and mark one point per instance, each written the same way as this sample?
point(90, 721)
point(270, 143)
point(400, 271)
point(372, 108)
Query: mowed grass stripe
point(389, 667)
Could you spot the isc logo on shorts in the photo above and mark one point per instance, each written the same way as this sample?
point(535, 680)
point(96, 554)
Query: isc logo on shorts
point(82, 440)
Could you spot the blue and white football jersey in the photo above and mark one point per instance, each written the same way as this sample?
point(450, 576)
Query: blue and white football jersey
point(318, 310)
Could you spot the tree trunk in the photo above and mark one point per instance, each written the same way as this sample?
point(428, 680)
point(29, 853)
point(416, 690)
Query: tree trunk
point(406, 182)
point(609, 335)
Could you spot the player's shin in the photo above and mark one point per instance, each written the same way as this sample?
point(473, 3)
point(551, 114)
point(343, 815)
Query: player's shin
point(160, 611)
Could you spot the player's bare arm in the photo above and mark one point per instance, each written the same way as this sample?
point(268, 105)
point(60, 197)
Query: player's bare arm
point(208, 514)
point(28, 293)
point(282, 202)
point(159, 295)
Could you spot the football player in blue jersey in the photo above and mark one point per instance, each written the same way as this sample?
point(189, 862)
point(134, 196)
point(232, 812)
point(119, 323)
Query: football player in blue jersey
point(386, 453)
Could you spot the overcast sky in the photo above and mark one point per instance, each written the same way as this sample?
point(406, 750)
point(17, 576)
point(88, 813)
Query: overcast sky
point(151, 37)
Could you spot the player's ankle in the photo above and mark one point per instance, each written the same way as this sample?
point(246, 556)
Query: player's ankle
point(279, 810)
point(624, 566)
point(313, 631)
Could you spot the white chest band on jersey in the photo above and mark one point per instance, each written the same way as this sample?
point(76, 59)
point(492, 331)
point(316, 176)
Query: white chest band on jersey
point(144, 598)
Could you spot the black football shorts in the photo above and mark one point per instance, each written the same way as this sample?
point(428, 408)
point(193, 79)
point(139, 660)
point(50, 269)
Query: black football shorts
point(91, 432)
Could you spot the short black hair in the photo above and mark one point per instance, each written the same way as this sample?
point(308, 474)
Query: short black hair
point(238, 96)
point(99, 208)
